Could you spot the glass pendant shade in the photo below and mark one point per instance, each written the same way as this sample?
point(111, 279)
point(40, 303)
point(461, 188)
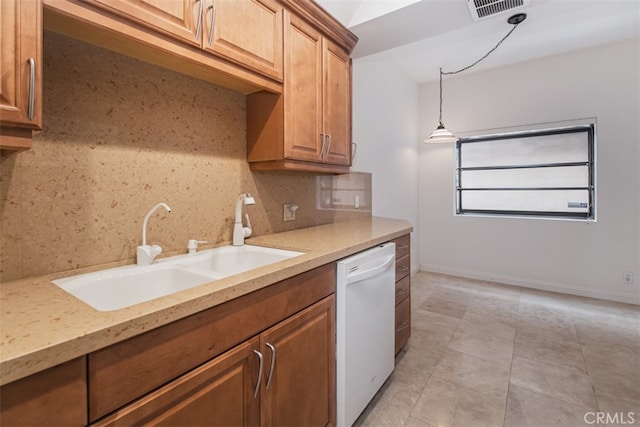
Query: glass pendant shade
point(441, 134)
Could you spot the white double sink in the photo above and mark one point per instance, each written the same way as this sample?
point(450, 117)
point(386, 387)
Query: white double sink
point(122, 287)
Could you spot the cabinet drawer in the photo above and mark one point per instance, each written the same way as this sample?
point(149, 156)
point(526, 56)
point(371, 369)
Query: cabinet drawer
point(125, 371)
point(403, 289)
point(403, 245)
point(403, 324)
point(403, 267)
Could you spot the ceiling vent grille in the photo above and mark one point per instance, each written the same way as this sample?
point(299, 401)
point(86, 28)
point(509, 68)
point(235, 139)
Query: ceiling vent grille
point(485, 8)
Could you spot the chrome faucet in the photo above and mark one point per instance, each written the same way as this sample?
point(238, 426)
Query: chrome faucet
point(239, 231)
point(145, 254)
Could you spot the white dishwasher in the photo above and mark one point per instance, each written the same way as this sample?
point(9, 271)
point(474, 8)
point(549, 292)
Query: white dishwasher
point(365, 335)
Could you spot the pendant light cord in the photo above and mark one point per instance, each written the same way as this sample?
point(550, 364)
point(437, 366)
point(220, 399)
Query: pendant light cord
point(447, 73)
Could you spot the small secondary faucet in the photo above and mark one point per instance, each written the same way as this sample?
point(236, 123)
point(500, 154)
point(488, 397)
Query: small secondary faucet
point(145, 254)
point(239, 231)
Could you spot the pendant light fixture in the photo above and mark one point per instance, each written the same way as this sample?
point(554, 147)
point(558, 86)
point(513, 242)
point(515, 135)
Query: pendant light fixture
point(442, 134)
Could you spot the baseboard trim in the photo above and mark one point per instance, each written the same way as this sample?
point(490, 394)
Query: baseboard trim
point(533, 284)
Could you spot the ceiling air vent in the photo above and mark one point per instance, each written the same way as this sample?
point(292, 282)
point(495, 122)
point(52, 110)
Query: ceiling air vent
point(485, 8)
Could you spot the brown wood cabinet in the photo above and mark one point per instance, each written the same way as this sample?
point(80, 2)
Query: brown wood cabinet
point(218, 393)
point(21, 65)
point(403, 291)
point(167, 375)
point(247, 32)
point(54, 397)
point(299, 385)
point(308, 127)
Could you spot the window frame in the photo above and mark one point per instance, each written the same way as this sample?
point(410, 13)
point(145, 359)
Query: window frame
point(589, 215)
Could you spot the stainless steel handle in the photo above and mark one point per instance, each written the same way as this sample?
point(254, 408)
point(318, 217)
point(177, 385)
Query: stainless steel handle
point(213, 23)
point(326, 154)
point(402, 292)
point(354, 150)
point(402, 247)
point(199, 24)
point(261, 359)
point(32, 87)
point(402, 268)
point(273, 362)
point(323, 136)
point(403, 325)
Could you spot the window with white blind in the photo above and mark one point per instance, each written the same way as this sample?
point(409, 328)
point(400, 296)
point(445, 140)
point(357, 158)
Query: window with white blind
point(542, 173)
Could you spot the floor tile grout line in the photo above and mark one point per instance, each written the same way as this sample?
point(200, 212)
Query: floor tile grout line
point(506, 403)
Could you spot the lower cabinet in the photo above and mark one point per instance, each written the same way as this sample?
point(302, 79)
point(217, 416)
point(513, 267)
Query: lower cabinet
point(218, 393)
point(54, 397)
point(403, 291)
point(299, 383)
point(284, 376)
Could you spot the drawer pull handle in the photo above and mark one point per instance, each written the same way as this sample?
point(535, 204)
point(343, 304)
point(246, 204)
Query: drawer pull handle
point(403, 325)
point(199, 24)
point(326, 153)
point(32, 87)
point(213, 23)
point(273, 362)
point(261, 359)
point(402, 268)
point(402, 247)
point(402, 292)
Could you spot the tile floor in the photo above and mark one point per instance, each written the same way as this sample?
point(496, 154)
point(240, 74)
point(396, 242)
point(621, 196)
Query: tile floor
point(484, 354)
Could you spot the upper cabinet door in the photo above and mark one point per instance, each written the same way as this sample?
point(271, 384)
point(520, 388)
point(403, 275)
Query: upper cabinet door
point(304, 139)
point(337, 104)
point(21, 64)
point(248, 32)
point(176, 18)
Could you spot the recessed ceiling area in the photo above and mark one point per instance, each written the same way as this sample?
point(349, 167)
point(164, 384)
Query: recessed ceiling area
point(421, 36)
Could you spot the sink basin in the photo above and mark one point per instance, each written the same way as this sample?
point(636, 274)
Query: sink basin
point(230, 260)
point(122, 287)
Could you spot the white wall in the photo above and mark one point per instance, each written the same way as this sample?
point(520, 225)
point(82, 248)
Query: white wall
point(566, 256)
point(385, 123)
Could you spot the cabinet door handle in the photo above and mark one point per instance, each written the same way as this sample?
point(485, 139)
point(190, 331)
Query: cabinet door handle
point(273, 362)
point(199, 24)
point(326, 153)
point(402, 268)
point(261, 359)
point(403, 325)
point(32, 87)
point(402, 247)
point(354, 150)
point(402, 292)
point(213, 23)
point(323, 136)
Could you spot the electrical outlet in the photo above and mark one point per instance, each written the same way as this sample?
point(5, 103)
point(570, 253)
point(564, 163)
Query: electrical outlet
point(627, 277)
point(289, 211)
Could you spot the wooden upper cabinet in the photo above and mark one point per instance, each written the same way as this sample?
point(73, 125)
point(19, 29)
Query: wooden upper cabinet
point(337, 104)
point(308, 127)
point(21, 68)
point(176, 18)
point(303, 92)
point(248, 32)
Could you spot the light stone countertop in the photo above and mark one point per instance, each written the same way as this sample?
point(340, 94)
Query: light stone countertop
point(42, 326)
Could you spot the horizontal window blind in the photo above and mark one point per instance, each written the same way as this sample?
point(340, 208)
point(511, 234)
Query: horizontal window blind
point(547, 173)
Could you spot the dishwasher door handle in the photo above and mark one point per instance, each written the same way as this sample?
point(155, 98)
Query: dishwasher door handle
point(358, 276)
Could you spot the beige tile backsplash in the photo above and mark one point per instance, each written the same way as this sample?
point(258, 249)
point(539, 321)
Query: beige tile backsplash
point(119, 136)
